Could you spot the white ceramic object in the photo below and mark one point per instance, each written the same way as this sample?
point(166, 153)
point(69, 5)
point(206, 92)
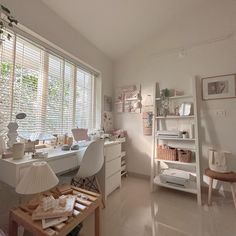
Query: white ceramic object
point(12, 133)
point(218, 161)
point(18, 150)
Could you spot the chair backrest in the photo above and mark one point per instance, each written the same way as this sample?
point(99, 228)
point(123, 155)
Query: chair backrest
point(93, 159)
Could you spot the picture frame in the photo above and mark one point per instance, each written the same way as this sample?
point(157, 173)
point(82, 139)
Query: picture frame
point(219, 87)
point(186, 109)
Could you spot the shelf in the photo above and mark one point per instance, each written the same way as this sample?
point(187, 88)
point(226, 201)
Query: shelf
point(177, 97)
point(177, 162)
point(192, 187)
point(176, 139)
point(174, 117)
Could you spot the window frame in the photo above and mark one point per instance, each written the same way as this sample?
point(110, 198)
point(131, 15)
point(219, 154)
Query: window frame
point(43, 108)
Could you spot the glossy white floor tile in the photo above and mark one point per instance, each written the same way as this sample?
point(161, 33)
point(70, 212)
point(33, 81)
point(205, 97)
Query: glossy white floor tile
point(134, 211)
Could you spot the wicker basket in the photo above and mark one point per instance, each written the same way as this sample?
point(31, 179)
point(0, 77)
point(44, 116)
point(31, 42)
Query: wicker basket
point(166, 153)
point(184, 155)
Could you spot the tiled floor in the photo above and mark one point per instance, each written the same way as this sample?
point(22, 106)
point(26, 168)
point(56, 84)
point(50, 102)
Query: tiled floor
point(134, 211)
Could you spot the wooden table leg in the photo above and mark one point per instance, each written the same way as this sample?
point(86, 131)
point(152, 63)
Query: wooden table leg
point(210, 190)
point(13, 227)
point(97, 222)
point(233, 193)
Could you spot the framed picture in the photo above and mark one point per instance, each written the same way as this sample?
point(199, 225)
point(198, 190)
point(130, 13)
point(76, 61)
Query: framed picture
point(217, 87)
point(107, 103)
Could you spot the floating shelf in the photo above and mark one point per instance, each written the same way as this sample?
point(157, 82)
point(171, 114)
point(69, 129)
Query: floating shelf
point(177, 162)
point(192, 187)
point(177, 97)
point(174, 117)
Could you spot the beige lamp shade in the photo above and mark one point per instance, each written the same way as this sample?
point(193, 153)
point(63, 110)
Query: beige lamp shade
point(39, 178)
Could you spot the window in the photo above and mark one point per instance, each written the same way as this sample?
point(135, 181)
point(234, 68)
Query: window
point(55, 94)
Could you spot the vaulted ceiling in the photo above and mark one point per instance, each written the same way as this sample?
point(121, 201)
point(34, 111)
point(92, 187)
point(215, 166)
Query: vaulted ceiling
point(118, 26)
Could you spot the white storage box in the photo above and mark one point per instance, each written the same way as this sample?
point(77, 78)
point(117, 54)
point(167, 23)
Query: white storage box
point(175, 177)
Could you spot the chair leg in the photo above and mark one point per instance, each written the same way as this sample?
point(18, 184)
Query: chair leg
point(210, 191)
point(99, 189)
point(233, 193)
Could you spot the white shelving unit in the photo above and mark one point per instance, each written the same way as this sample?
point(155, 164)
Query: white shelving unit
point(163, 123)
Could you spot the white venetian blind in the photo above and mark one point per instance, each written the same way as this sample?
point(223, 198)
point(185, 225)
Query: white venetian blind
point(68, 97)
point(27, 87)
point(6, 67)
point(84, 88)
point(55, 93)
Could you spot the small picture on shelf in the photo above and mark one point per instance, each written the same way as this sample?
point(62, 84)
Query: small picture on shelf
point(186, 109)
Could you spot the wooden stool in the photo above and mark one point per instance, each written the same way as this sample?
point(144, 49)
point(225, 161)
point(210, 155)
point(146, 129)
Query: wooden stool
point(226, 177)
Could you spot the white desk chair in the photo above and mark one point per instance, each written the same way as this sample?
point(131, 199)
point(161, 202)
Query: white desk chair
point(91, 164)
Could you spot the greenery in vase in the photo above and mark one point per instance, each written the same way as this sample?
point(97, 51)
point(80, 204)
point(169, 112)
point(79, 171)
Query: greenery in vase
point(164, 109)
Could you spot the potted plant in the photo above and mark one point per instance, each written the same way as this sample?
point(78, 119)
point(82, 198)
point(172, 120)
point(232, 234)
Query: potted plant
point(164, 108)
point(6, 20)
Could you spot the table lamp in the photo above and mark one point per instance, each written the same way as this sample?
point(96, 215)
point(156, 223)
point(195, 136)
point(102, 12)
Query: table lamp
point(39, 178)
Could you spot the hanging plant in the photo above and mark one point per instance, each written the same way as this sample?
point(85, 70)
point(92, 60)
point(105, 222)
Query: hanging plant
point(6, 20)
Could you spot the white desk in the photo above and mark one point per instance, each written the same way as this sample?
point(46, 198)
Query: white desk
point(11, 171)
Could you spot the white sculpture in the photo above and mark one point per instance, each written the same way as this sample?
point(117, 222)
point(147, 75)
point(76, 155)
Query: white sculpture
point(12, 133)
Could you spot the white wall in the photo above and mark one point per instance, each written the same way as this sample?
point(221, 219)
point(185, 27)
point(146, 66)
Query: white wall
point(39, 18)
point(158, 61)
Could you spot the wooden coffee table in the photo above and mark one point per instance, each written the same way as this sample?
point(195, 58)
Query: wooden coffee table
point(90, 203)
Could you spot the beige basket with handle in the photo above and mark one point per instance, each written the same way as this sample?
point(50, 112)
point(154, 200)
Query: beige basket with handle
point(184, 155)
point(166, 153)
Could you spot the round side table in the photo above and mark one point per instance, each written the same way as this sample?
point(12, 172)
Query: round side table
point(225, 177)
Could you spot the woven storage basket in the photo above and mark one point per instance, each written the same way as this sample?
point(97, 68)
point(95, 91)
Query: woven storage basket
point(184, 155)
point(166, 153)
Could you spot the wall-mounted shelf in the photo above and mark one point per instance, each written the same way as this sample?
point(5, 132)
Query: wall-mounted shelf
point(128, 99)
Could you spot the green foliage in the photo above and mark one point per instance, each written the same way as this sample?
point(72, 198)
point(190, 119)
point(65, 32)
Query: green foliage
point(165, 93)
point(6, 18)
point(6, 70)
point(30, 81)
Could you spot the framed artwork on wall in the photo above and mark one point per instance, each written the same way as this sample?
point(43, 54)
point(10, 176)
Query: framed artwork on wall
point(222, 86)
point(107, 103)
